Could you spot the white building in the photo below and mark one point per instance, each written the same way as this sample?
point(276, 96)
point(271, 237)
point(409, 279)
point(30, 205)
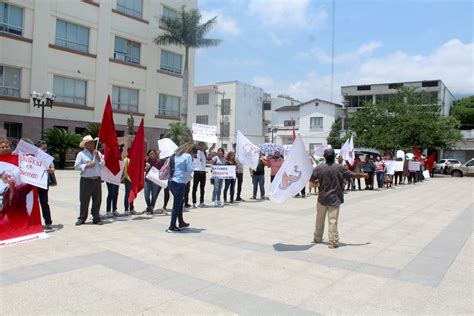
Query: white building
point(312, 120)
point(232, 106)
point(83, 51)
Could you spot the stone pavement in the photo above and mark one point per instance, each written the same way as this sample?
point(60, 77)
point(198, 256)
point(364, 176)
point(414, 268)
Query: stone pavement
point(408, 250)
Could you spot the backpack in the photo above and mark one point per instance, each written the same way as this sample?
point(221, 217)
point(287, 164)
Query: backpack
point(167, 171)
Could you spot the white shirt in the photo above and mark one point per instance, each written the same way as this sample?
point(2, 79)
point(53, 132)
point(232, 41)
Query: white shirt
point(199, 163)
point(83, 158)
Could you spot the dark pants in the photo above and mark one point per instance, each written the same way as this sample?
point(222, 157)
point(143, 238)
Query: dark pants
point(177, 189)
point(128, 187)
point(258, 180)
point(271, 178)
point(187, 188)
point(413, 177)
point(151, 191)
point(43, 198)
point(240, 179)
point(398, 177)
point(112, 197)
point(199, 179)
point(229, 183)
point(167, 197)
point(380, 179)
point(90, 189)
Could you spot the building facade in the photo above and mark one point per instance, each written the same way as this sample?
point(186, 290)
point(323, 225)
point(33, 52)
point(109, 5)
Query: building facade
point(83, 51)
point(231, 106)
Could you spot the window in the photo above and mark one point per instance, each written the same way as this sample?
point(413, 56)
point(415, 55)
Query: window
point(395, 85)
point(125, 99)
point(9, 81)
point(120, 133)
point(11, 19)
point(170, 62)
point(202, 98)
point(66, 128)
point(289, 123)
point(79, 130)
point(225, 108)
point(382, 98)
point(168, 105)
point(365, 99)
point(170, 13)
point(13, 129)
point(72, 36)
point(70, 90)
point(470, 164)
point(426, 84)
point(130, 7)
point(267, 106)
point(202, 119)
point(126, 50)
point(363, 88)
point(316, 123)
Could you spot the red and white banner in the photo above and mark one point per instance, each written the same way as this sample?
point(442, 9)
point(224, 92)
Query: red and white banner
point(20, 218)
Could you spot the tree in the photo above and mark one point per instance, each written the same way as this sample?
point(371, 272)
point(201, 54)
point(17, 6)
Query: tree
point(186, 30)
point(404, 124)
point(178, 133)
point(334, 139)
point(92, 129)
point(463, 111)
point(60, 142)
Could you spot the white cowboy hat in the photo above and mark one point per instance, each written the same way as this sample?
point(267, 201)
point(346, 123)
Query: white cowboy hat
point(86, 139)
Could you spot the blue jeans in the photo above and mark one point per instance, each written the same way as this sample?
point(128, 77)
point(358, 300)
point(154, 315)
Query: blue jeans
point(177, 189)
point(258, 181)
point(380, 179)
point(216, 194)
point(151, 193)
point(112, 197)
point(128, 187)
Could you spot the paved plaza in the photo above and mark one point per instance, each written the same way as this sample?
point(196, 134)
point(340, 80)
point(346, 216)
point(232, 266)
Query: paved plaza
point(408, 250)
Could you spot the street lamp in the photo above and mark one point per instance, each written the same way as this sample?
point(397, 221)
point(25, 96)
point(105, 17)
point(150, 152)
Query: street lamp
point(40, 101)
point(221, 116)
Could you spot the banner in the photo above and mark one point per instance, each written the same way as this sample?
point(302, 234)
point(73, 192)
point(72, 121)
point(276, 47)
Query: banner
point(167, 147)
point(398, 165)
point(247, 153)
point(204, 133)
point(347, 151)
point(223, 172)
point(154, 176)
point(390, 165)
point(20, 218)
point(414, 166)
point(293, 175)
point(32, 171)
point(318, 151)
point(28, 149)
point(107, 176)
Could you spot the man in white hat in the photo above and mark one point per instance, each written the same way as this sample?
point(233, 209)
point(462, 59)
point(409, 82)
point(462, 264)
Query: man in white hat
point(89, 162)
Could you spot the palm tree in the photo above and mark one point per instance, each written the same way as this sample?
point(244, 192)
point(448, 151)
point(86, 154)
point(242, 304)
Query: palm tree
point(92, 129)
point(60, 142)
point(178, 133)
point(186, 30)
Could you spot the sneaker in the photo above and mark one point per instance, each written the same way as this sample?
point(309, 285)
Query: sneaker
point(117, 214)
point(126, 213)
point(173, 230)
point(187, 205)
point(202, 205)
point(333, 245)
point(48, 227)
point(183, 225)
point(133, 212)
point(238, 200)
point(231, 202)
point(79, 222)
point(194, 205)
point(109, 215)
point(150, 211)
point(317, 241)
point(253, 198)
point(97, 222)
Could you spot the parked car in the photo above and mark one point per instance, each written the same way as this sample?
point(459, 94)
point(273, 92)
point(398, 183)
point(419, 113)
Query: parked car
point(446, 165)
point(466, 170)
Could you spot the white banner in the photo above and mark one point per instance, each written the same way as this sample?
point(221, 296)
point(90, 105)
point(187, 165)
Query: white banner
point(33, 170)
point(319, 150)
point(167, 147)
point(293, 175)
point(398, 165)
point(247, 153)
point(347, 151)
point(154, 176)
point(28, 149)
point(390, 165)
point(223, 172)
point(107, 176)
point(205, 133)
point(426, 174)
point(414, 166)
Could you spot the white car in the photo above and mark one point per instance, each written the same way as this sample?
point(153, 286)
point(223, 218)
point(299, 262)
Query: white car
point(449, 163)
point(466, 170)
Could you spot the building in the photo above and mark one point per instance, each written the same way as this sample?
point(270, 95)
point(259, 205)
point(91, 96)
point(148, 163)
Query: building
point(312, 120)
point(428, 92)
point(231, 106)
point(83, 51)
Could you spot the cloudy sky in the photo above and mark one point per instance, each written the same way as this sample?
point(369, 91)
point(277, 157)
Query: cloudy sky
point(284, 46)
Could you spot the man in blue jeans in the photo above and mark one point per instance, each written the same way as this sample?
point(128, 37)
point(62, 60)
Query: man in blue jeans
point(258, 179)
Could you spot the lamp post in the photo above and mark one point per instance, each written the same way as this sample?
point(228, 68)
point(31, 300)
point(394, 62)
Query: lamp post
point(221, 120)
point(40, 101)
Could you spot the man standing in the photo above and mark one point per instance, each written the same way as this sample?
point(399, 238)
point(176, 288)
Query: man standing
point(199, 179)
point(89, 162)
point(330, 176)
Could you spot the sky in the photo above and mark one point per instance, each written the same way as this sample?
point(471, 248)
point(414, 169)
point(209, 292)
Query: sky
point(285, 46)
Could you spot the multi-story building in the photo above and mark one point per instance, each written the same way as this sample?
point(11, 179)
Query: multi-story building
point(231, 106)
point(83, 51)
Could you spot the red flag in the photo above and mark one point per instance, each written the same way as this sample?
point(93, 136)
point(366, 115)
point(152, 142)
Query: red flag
point(108, 137)
point(136, 168)
point(294, 132)
point(430, 161)
point(417, 153)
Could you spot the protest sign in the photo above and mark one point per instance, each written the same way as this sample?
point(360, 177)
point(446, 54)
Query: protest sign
point(414, 166)
point(154, 176)
point(33, 171)
point(398, 166)
point(107, 176)
point(29, 149)
point(167, 147)
point(204, 133)
point(390, 165)
point(319, 150)
point(223, 172)
point(426, 174)
point(247, 153)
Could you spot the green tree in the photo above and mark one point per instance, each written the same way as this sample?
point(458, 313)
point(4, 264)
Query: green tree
point(60, 142)
point(334, 139)
point(186, 30)
point(92, 129)
point(403, 124)
point(463, 111)
point(178, 133)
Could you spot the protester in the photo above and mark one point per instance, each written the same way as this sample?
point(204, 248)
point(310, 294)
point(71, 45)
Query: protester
point(356, 168)
point(258, 178)
point(5, 147)
point(199, 178)
point(43, 193)
point(128, 206)
point(181, 169)
point(218, 160)
point(275, 164)
point(239, 173)
point(151, 189)
point(380, 169)
point(89, 162)
point(398, 174)
point(230, 183)
point(368, 167)
point(406, 173)
point(330, 177)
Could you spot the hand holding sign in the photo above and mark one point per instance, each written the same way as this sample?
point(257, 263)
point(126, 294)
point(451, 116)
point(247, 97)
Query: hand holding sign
point(204, 133)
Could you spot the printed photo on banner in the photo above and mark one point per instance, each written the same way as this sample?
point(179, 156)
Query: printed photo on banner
point(205, 133)
point(223, 172)
point(167, 147)
point(107, 176)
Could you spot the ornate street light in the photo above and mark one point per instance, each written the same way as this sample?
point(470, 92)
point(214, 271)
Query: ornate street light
point(40, 101)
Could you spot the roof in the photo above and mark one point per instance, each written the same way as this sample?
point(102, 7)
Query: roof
point(288, 108)
point(297, 106)
point(320, 100)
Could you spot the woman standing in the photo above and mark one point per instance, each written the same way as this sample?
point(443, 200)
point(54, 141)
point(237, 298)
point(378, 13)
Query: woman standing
point(380, 171)
point(129, 208)
point(43, 193)
point(151, 189)
point(369, 168)
point(258, 178)
point(230, 183)
point(181, 165)
point(218, 160)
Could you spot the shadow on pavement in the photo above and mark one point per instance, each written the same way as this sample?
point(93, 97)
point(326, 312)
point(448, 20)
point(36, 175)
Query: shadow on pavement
point(192, 230)
point(287, 247)
point(141, 218)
